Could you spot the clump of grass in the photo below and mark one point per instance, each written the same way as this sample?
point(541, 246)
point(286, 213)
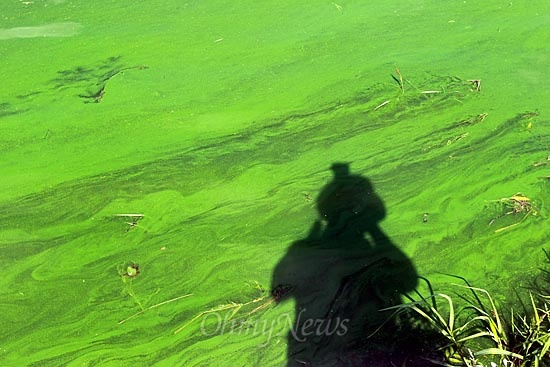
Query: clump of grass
point(481, 334)
point(542, 282)
point(529, 335)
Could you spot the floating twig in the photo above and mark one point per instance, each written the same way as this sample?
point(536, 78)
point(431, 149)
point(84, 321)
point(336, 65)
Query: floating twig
point(457, 138)
point(382, 104)
point(232, 305)
point(399, 80)
point(542, 163)
point(153, 306)
point(135, 219)
point(274, 297)
point(473, 120)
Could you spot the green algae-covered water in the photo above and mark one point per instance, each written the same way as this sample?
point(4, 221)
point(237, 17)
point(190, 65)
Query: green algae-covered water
point(160, 160)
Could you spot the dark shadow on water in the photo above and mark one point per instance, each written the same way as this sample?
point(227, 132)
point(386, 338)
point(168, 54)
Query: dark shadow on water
point(341, 276)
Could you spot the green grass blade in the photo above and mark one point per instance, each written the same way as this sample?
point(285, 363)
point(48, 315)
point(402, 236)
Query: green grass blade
point(451, 321)
point(546, 345)
point(536, 314)
point(497, 351)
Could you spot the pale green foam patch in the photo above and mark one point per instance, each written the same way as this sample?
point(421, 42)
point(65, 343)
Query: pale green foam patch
point(66, 29)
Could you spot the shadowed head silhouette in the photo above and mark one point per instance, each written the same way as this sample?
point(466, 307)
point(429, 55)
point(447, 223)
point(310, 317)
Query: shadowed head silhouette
point(348, 204)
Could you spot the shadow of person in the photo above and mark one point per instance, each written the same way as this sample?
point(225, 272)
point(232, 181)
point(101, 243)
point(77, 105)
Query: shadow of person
point(341, 276)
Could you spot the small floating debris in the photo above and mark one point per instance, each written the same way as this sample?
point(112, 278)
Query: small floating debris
point(476, 83)
point(382, 104)
point(513, 205)
point(131, 271)
point(134, 217)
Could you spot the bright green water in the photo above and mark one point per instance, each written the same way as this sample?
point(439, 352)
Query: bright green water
point(242, 108)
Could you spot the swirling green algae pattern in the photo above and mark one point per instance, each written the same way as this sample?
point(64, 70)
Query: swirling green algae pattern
point(242, 110)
